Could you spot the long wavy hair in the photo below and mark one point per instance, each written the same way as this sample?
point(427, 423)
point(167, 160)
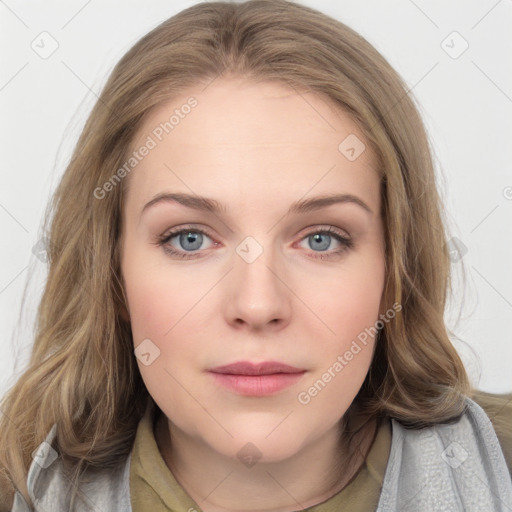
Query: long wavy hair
point(82, 374)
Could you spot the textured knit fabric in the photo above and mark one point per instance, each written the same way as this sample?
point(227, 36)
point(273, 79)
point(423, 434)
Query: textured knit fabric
point(456, 467)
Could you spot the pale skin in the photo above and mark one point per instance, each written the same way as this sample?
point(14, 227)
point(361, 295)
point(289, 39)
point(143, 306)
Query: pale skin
point(256, 148)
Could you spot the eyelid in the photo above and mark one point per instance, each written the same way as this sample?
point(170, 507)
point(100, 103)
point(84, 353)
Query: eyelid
point(314, 228)
point(176, 231)
point(333, 231)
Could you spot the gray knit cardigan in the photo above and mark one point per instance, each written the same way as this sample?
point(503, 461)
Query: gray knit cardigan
point(457, 467)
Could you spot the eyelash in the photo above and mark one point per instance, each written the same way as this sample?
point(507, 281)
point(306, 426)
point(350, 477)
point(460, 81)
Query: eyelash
point(346, 243)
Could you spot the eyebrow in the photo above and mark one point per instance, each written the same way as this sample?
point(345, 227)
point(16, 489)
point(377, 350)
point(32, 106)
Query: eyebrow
point(299, 207)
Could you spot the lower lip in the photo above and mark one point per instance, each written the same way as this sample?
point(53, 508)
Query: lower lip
point(257, 385)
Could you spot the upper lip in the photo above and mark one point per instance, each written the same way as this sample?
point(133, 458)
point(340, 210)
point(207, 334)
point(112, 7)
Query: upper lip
point(249, 368)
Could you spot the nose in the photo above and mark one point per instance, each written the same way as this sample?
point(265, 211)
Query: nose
point(258, 295)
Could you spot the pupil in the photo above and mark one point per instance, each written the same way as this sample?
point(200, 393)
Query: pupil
point(321, 240)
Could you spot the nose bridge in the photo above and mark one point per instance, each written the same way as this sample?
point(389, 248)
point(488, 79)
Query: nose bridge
point(259, 295)
point(254, 261)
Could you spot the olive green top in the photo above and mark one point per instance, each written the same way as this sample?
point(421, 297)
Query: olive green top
point(153, 487)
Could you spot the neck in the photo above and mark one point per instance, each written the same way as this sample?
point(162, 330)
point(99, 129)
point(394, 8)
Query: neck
point(313, 475)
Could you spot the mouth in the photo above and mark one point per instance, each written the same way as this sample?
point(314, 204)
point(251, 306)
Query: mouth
point(264, 368)
point(256, 379)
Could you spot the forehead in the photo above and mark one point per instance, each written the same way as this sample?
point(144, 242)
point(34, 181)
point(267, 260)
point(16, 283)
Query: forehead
point(241, 141)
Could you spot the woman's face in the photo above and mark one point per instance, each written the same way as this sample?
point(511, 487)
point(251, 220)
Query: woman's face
point(256, 280)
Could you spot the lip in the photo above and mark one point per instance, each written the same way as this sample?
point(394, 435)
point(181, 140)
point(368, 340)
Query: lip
point(264, 368)
point(257, 379)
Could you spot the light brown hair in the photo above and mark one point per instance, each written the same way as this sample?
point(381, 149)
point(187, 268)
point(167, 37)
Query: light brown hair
point(82, 374)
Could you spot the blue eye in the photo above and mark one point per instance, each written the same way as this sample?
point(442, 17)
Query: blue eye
point(320, 241)
point(195, 239)
point(190, 241)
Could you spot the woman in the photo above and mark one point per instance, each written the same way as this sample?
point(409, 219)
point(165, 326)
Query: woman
point(295, 355)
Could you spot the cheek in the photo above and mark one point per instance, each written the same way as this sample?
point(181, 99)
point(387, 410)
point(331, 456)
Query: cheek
point(158, 294)
point(159, 298)
point(343, 357)
point(346, 302)
point(149, 308)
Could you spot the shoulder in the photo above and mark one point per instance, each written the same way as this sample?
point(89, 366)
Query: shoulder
point(498, 408)
point(48, 484)
point(451, 464)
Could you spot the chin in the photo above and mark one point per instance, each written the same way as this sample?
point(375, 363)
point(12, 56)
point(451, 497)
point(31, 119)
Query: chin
point(266, 445)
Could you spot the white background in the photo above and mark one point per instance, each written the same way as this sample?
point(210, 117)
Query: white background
point(466, 103)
